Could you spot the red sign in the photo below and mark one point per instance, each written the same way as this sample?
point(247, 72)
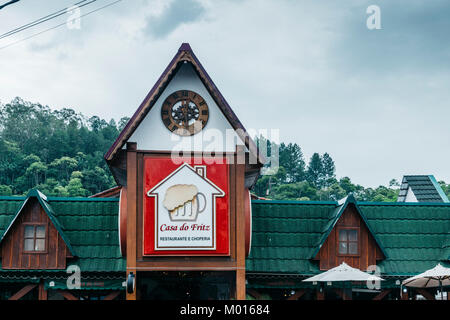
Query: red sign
point(186, 206)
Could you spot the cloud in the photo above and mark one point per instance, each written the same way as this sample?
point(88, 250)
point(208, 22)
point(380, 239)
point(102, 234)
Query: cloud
point(177, 13)
point(377, 101)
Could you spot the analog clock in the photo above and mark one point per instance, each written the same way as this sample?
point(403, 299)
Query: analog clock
point(184, 112)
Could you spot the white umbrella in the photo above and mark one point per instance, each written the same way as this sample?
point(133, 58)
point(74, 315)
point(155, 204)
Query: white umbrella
point(343, 272)
point(436, 277)
point(439, 276)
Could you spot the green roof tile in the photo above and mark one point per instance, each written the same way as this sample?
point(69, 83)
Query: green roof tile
point(89, 224)
point(415, 237)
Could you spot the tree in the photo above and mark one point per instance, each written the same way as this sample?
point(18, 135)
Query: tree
point(122, 123)
point(36, 173)
point(5, 190)
point(95, 180)
point(329, 170)
point(394, 183)
point(291, 158)
point(315, 171)
point(65, 166)
point(75, 186)
point(346, 184)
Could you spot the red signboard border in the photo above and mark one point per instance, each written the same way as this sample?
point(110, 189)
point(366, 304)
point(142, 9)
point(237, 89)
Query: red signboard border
point(224, 249)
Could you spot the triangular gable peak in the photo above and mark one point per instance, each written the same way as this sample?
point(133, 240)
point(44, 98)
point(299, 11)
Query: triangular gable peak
point(421, 188)
point(34, 238)
point(347, 237)
point(183, 61)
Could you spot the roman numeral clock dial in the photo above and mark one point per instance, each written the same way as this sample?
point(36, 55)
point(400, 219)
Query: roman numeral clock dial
point(184, 113)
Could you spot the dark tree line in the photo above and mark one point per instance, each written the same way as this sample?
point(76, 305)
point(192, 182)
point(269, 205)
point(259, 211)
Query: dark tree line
point(293, 179)
point(60, 152)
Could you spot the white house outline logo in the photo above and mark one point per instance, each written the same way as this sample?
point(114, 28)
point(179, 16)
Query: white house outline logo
point(197, 176)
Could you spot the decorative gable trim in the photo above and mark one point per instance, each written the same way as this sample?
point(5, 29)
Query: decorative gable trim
point(42, 199)
point(336, 215)
point(184, 55)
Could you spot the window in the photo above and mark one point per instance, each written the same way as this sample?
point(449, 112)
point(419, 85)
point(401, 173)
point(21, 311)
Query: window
point(348, 242)
point(35, 238)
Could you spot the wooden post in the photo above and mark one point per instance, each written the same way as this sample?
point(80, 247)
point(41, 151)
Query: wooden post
point(320, 295)
point(405, 295)
point(42, 291)
point(131, 212)
point(240, 223)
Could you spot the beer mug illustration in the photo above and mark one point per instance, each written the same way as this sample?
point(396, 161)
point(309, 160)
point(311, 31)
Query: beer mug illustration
point(184, 202)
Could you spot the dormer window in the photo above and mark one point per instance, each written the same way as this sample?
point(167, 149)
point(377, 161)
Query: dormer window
point(348, 241)
point(35, 236)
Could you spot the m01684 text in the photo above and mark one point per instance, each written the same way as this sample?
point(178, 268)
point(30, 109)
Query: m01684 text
point(247, 309)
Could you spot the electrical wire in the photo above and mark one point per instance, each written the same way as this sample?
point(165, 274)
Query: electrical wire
point(59, 25)
point(44, 19)
point(8, 3)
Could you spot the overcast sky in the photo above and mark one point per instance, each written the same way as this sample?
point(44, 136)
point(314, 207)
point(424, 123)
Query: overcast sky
point(376, 100)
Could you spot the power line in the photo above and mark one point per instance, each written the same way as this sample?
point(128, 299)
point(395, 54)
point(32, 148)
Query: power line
point(8, 3)
point(44, 19)
point(59, 25)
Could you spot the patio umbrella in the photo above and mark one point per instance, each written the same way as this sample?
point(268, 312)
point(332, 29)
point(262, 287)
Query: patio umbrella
point(343, 272)
point(439, 276)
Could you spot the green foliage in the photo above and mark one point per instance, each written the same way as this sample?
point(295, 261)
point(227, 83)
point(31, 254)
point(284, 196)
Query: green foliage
point(5, 190)
point(445, 187)
point(315, 172)
point(291, 180)
point(60, 152)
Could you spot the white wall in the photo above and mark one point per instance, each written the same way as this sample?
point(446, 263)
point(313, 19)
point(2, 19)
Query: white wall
point(153, 135)
point(410, 197)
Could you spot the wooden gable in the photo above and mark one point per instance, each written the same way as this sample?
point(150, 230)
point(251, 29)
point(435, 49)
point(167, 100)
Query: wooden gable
point(13, 252)
point(368, 250)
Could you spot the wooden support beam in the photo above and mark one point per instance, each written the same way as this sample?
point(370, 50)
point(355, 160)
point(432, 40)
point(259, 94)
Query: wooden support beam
point(320, 295)
point(240, 223)
point(19, 294)
point(404, 296)
point(131, 212)
point(112, 295)
point(42, 291)
point(428, 295)
point(68, 295)
point(297, 295)
point(382, 294)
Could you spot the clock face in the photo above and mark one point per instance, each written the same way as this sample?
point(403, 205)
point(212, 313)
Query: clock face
point(185, 113)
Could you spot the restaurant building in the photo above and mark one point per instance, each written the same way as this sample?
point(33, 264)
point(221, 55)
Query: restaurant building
point(181, 223)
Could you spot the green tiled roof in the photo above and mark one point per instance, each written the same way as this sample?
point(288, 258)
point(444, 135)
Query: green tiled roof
point(48, 209)
point(413, 236)
point(90, 226)
point(424, 187)
point(284, 233)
